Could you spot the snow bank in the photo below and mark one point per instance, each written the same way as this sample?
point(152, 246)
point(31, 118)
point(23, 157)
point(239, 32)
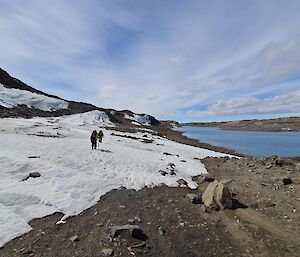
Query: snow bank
point(73, 177)
point(87, 118)
point(11, 97)
point(140, 119)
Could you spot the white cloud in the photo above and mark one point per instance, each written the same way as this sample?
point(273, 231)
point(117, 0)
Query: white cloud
point(157, 57)
point(286, 103)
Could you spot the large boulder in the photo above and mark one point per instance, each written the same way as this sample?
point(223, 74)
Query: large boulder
point(217, 196)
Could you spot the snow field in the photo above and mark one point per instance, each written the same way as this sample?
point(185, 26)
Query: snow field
point(11, 97)
point(74, 177)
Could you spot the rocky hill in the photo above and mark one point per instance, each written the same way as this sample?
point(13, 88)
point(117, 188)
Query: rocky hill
point(279, 124)
point(18, 99)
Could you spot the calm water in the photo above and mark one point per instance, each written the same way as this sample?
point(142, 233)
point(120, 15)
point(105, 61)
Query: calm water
point(248, 142)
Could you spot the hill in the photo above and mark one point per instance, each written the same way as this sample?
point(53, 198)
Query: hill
point(18, 99)
point(279, 124)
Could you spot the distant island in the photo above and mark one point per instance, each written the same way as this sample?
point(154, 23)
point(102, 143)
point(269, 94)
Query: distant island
point(279, 124)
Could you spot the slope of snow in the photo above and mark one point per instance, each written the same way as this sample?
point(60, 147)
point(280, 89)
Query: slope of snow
point(11, 97)
point(87, 118)
point(73, 177)
point(140, 119)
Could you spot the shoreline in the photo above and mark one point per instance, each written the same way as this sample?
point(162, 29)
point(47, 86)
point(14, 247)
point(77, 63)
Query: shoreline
point(177, 136)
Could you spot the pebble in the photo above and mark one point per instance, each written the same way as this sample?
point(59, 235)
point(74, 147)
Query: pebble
point(107, 252)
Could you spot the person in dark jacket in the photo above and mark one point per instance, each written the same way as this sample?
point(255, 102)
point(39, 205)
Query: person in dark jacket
point(100, 136)
point(94, 139)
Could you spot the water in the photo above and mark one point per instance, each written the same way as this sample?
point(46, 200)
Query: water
point(253, 143)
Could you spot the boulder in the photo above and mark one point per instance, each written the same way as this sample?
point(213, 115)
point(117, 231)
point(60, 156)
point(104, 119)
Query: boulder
point(217, 196)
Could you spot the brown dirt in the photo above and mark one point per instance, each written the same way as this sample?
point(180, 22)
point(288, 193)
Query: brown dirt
point(264, 229)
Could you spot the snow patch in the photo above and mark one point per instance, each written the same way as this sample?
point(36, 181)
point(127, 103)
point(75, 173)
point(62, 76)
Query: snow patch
point(11, 97)
point(88, 118)
point(141, 119)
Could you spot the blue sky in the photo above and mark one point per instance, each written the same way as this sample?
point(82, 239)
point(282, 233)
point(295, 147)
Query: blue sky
point(187, 60)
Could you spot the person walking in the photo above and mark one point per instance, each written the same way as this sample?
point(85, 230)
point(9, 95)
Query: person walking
point(94, 139)
point(100, 136)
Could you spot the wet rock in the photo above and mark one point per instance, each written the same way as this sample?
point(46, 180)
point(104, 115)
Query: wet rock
point(287, 181)
point(182, 182)
point(217, 196)
point(107, 252)
point(193, 198)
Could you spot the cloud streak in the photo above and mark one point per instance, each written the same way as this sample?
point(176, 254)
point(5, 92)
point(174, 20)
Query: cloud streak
point(165, 58)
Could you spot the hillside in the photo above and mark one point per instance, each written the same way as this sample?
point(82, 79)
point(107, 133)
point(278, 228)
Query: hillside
point(18, 99)
point(279, 124)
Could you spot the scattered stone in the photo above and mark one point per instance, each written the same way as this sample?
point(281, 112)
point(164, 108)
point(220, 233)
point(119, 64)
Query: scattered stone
point(161, 231)
point(183, 160)
point(131, 220)
point(279, 161)
point(107, 252)
point(171, 165)
point(193, 198)
point(163, 173)
point(33, 157)
point(172, 173)
point(28, 252)
point(287, 181)
point(182, 182)
point(74, 238)
point(217, 196)
point(181, 223)
point(134, 230)
point(269, 166)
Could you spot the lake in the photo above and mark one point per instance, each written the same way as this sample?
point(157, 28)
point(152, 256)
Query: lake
point(255, 143)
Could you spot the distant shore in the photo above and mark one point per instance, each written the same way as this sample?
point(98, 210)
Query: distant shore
point(271, 125)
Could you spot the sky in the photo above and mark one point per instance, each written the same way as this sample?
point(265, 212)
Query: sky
point(189, 60)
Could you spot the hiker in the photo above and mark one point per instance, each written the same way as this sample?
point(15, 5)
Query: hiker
point(100, 136)
point(94, 139)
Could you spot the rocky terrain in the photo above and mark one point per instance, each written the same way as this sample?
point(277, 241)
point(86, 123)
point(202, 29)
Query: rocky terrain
point(260, 217)
point(280, 124)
